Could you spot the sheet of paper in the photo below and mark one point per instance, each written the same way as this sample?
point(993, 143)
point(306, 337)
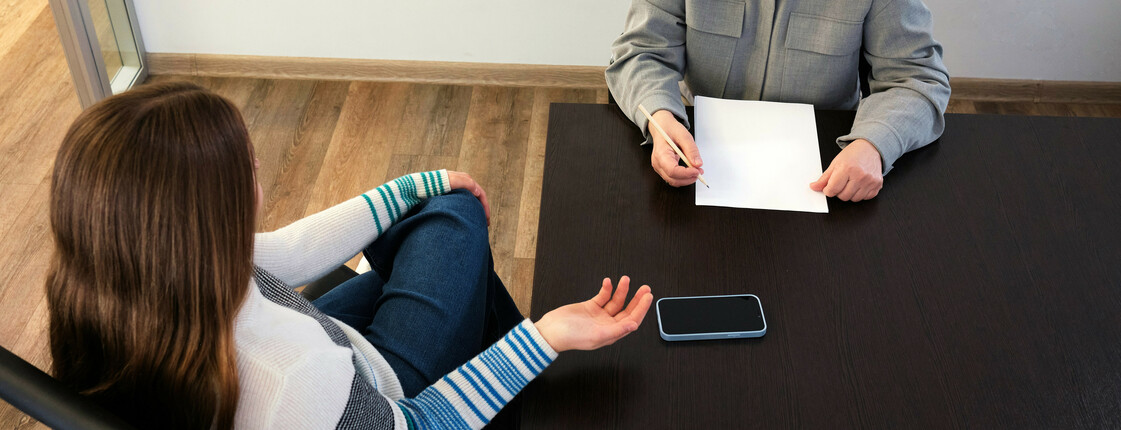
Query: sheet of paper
point(760, 155)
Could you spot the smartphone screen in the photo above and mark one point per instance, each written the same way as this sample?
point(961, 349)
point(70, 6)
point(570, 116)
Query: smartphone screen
point(711, 314)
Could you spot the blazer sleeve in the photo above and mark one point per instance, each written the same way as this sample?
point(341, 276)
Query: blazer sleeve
point(648, 60)
point(909, 84)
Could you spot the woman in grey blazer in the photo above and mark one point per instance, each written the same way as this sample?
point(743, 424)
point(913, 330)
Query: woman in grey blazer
point(804, 51)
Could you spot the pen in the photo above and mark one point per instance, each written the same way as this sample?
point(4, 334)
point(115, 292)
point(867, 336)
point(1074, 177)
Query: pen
point(670, 141)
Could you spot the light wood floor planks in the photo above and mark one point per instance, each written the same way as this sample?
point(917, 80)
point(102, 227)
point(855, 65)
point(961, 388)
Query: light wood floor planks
point(37, 104)
point(320, 142)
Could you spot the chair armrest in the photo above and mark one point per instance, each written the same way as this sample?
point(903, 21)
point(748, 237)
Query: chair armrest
point(321, 286)
point(48, 400)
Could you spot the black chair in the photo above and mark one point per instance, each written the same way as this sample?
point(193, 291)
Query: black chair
point(864, 70)
point(320, 287)
point(46, 399)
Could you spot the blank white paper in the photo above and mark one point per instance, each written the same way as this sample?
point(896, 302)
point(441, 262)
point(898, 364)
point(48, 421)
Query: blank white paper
point(760, 155)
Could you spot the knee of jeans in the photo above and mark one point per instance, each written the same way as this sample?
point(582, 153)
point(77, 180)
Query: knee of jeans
point(463, 207)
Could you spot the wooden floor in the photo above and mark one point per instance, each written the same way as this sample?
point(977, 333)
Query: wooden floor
point(37, 103)
point(320, 142)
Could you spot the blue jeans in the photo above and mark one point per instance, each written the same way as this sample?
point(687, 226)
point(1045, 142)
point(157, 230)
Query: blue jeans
point(432, 301)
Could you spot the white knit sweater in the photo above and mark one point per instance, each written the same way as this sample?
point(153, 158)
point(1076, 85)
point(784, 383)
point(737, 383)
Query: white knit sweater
point(299, 369)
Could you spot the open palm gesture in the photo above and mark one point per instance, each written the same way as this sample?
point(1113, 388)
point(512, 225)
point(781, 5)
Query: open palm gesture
point(597, 322)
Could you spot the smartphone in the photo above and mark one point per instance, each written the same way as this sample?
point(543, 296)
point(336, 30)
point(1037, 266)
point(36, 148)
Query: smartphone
point(710, 317)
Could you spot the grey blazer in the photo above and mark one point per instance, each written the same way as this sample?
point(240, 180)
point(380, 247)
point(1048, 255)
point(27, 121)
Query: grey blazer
point(803, 51)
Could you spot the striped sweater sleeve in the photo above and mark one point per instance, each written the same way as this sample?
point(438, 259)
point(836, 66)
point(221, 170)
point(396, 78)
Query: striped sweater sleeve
point(313, 246)
point(471, 395)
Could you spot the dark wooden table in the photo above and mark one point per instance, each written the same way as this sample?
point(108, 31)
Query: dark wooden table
point(981, 289)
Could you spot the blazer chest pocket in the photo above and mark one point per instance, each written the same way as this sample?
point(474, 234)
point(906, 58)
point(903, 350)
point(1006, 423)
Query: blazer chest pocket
point(713, 27)
point(715, 16)
point(822, 61)
point(827, 36)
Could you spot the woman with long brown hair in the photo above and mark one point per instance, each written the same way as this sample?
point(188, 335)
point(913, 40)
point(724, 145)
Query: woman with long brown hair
point(167, 309)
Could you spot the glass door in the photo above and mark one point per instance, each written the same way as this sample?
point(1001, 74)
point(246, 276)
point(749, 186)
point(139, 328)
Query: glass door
point(118, 46)
point(103, 46)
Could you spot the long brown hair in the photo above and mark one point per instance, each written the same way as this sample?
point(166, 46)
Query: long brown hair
point(153, 212)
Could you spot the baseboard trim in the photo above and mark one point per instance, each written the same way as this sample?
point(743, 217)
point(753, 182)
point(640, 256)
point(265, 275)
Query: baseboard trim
point(1018, 90)
point(436, 72)
point(536, 75)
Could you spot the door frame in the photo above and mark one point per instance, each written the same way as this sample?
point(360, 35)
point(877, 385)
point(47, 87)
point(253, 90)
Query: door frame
point(83, 50)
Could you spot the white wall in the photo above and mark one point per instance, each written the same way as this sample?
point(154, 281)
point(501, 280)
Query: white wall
point(571, 32)
point(1071, 40)
point(1012, 39)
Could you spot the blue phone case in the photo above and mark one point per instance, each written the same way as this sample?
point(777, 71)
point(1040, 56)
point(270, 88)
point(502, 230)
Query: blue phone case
point(710, 336)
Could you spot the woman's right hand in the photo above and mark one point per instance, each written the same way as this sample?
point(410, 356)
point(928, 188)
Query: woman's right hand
point(597, 322)
point(664, 159)
point(463, 181)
